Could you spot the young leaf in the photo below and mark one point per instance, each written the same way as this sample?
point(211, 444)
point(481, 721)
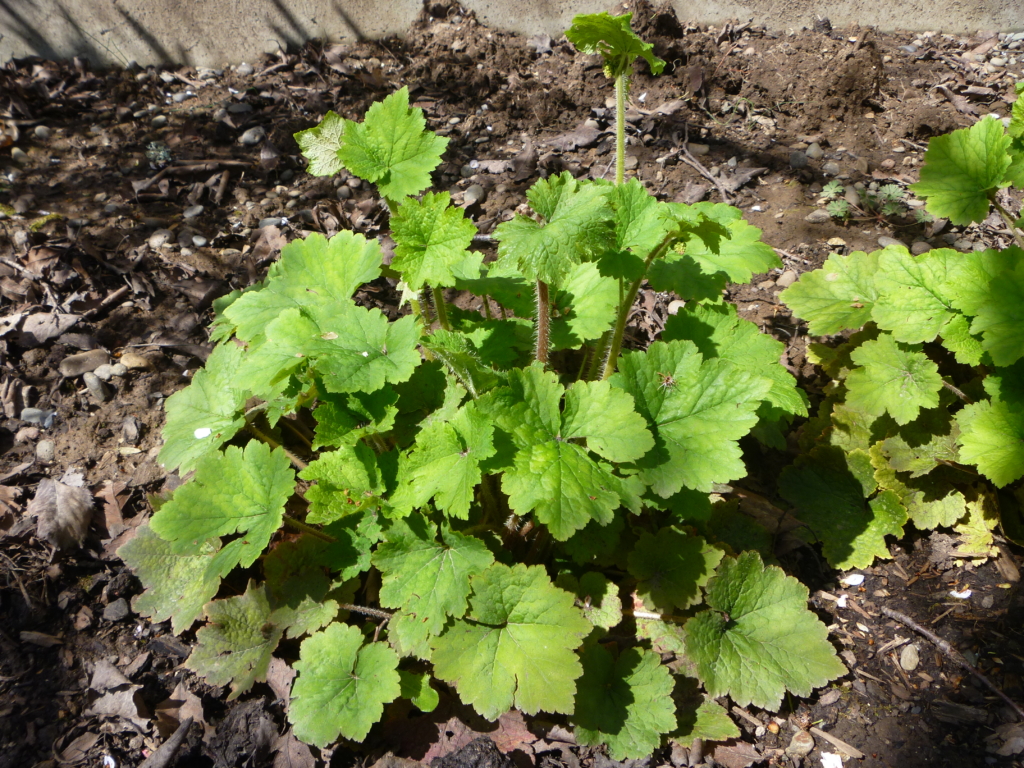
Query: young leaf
point(930, 501)
point(697, 411)
point(612, 38)
point(342, 419)
point(312, 271)
point(445, 463)
point(894, 378)
point(235, 647)
point(718, 332)
point(553, 476)
point(838, 296)
point(207, 413)
point(975, 530)
point(416, 688)
point(699, 716)
point(428, 579)
point(516, 646)
point(671, 567)
point(345, 479)
point(342, 685)
point(758, 639)
point(320, 145)
point(577, 226)
point(431, 238)
point(828, 489)
point(910, 301)
point(958, 339)
point(962, 169)
point(178, 582)
point(456, 352)
point(625, 703)
point(992, 438)
point(233, 492)
point(392, 148)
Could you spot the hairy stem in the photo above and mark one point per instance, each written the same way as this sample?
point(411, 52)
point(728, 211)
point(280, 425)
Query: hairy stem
point(540, 352)
point(374, 612)
point(487, 307)
point(600, 355)
point(1010, 224)
point(300, 526)
point(442, 312)
point(621, 84)
point(262, 436)
point(425, 299)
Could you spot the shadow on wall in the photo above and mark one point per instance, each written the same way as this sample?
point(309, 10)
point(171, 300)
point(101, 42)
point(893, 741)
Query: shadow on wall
point(106, 32)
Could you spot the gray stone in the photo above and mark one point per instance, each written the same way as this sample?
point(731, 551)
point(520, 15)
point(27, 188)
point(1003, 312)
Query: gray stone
point(454, 120)
point(119, 369)
point(96, 387)
point(919, 247)
point(185, 236)
point(466, 171)
point(270, 221)
point(818, 216)
point(910, 657)
point(832, 169)
point(963, 244)
point(344, 192)
point(117, 610)
point(244, 69)
point(18, 155)
point(287, 174)
point(787, 278)
point(104, 372)
point(852, 196)
point(160, 121)
point(199, 241)
point(160, 238)
point(38, 416)
point(815, 152)
point(42, 132)
point(192, 211)
point(797, 160)
point(183, 96)
point(474, 194)
point(698, 150)
point(801, 745)
point(46, 451)
point(253, 136)
point(631, 162)
point(885, 242)
point(239, 108)
point(83, 362)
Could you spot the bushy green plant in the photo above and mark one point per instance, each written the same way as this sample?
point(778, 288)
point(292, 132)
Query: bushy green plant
point(874, 202)
point(924, 411)
point(452, 499)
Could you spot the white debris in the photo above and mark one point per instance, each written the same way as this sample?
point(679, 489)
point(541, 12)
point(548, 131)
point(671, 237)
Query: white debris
point(961, 595)
point(202, 432)
point(853, 580)
point(831, 760)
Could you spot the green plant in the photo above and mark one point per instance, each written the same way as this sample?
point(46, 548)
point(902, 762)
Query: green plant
point(479, 501)
point(873, 202)
point(923, 413)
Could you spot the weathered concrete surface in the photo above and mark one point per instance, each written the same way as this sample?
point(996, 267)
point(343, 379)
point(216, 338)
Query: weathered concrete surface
point(215, 32)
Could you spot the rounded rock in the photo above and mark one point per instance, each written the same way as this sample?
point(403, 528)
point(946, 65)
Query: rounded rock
point(815, 152)
point(199, 241)
point(910, 657)
point(253, 136)
point(787, 278)
point(239, 108)
point(832, 169)
point(919, 247)
point(244, 69)
point(797, 160)
point(104, 372)
point(801, 745)
point(270, 221)
point(46, 451)
point(18, 155)
point(38, 417)
point(117, 610)
point(885, 242)
point(96, 387)
point(160, 121)
point(192, 211)
point(42, 132)
point(83, 362)
point(344, 192)
point(474, 194)
point(818, 216)
point(135, 362)
point(119, 370)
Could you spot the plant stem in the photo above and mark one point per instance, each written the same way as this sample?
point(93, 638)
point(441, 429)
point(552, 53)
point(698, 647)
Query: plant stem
point(626, 304)
point(425, 298)
point(600, 354)
point(298, 463)
point(621, 84)
point(540, 352)
point(487, 307)
point(298, 525)
point(442, 312)
point(374, 612)
point(1010, 224)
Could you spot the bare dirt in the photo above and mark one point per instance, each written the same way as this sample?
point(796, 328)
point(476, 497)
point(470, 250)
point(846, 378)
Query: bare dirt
point(100, 170)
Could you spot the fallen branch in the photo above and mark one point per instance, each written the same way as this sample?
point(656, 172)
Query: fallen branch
point(953, 655)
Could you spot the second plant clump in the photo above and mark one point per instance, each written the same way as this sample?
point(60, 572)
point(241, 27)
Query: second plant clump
point(500, 501)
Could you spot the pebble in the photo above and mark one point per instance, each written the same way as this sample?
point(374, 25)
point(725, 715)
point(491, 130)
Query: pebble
point(355, 182)
point(963, 244)
point(675, 305)
point(42, 132)
point(910, 657)
point(239, 108)
point(466, 171)
point(26, 434)
point(159, 121)
point(38, 416)
point(787, 278)
point(96, 387)
point(750, 51)
point(160, 237)
point(815, 152)
point(474, 194)
point(119, 369)
point(244, 69)
point(287, 174)
point(454, 120)
point(83, 362)
point(18, 155)
point(46, 451)
point(919, 247)
point(199, 241)
point(831, 169)
point(885, 242)
point(135, 362)
point(998, 61)
point(852, 196)
point(698, 149)
point(185, 236)
point(192, 211)
point(797, 160)
point(818, 216)
point(764, 285)
point(104, 372)
point(270, 221)
point(801, 745)
point(632, 162)
point(344, 192)
point(986, 602)
point(117, 610)
point(592, 124)
point(253, 136)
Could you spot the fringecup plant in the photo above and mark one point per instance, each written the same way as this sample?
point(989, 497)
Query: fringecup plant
point(450, 505)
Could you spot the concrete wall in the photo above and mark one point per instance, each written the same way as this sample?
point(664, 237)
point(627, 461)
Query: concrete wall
point(215, 32)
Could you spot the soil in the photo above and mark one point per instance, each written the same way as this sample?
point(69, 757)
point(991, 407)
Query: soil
point(762, 119)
